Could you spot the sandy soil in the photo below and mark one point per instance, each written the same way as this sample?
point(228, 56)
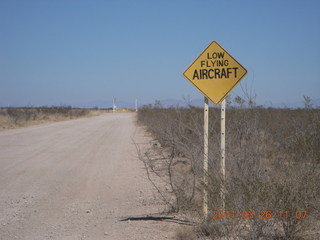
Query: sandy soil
point(75, 180)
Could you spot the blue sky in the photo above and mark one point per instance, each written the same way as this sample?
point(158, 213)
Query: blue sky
point(84, 52)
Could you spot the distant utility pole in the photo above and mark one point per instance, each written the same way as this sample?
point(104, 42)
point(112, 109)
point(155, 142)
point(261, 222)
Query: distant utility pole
point(136, 105)
point(114, 105)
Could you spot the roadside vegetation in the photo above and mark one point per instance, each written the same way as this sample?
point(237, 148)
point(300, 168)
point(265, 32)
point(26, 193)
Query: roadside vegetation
point(25, 116)
point(272, 185)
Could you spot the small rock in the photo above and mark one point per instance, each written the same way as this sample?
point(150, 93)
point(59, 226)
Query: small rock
point(106, 233)
point(88, 211)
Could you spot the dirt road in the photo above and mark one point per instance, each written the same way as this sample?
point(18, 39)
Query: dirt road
point(75, 180)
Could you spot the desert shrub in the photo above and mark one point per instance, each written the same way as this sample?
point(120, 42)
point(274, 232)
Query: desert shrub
point(272, 165)
point(21, 114)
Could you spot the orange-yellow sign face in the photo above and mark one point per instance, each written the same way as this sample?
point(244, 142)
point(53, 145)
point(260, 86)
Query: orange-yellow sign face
point(215, 72)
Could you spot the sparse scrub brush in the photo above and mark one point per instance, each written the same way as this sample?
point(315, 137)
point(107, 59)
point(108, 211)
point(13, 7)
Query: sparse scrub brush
point(272, 166)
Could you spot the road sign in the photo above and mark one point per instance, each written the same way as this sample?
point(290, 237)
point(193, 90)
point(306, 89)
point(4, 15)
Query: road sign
point(215, 72)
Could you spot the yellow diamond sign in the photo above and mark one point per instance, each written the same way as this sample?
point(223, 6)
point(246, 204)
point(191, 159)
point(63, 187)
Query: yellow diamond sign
point(215, 72)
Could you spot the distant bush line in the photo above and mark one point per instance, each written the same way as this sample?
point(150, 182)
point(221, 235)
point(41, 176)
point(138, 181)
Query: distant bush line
point(20, 116)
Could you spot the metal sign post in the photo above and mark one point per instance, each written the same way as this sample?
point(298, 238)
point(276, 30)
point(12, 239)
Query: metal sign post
point(205, 156)
point(223, 152)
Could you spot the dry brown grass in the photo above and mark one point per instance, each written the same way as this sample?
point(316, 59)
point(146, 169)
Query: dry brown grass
point(11, 118)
